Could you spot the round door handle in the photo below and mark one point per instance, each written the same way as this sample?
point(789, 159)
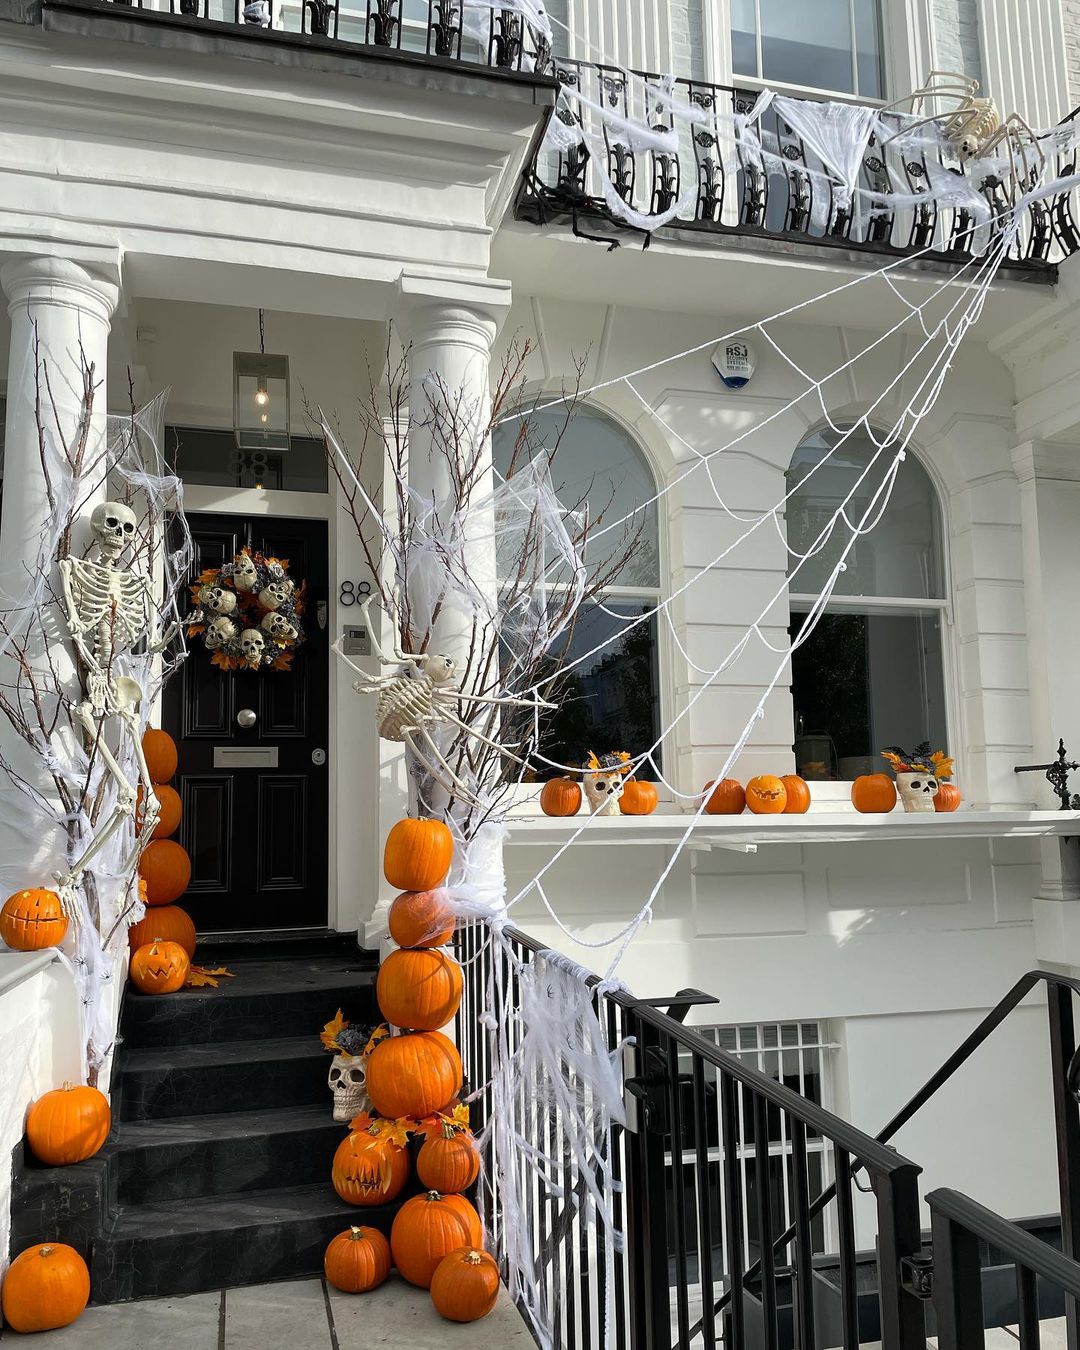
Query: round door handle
point(246, 717)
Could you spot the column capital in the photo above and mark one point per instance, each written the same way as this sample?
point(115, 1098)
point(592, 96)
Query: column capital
point(57, 282)
point(1057, 460)
point(433, 307)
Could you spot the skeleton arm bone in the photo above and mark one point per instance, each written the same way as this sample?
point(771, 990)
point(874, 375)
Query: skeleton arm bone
point(397, 655)
point(75, 625)
point(495, 700)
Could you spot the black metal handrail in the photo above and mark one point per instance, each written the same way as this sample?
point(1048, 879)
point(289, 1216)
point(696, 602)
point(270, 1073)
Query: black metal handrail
point(787, 195)
point(702, 1187)
point(958, 1224)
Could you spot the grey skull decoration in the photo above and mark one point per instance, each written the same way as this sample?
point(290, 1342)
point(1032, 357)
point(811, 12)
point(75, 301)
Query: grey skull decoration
point(248, 613)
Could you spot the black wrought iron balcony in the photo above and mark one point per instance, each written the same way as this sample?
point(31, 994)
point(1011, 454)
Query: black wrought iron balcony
point(781, 195)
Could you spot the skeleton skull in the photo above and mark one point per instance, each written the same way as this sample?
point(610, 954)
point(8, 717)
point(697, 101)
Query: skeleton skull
point(112, 525)
point(275, 593)
point(217, 599)
point(603, 790)
point(244, 575)
point(252, 643)
point(348, 1082)
point(917, 790)
point(222, 630)
point(277, 626)
point(441, 669)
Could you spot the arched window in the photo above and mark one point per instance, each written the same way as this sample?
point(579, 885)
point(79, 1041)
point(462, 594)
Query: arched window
point(611, 700)
point(872, 672)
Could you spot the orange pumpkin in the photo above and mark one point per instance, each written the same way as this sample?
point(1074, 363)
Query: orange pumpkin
point(413, 1075)
point(160, 967)
point(465, 1286)
point(639, 798)
point(160, 751)
point(417, 854)
point(873, 793)
point(560, 797)
point(429, 1227)
point(766, 795)
point(369, 1168)
point(357, 1260)
point(68, 1125)
point(449, 1160)
point(947, 797)
point(798, 795)
point(166, 869)
point(46, 1287)
point(422, 919)
point(168, 922)
point(31, 920)
point(727, 798)
point(419, 989)
point(168, 808)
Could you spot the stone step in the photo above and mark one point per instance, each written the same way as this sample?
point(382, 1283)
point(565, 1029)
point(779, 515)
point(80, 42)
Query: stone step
point(176, 1247)
point(198, 1080)
point(262, 999)
point(185, 1157)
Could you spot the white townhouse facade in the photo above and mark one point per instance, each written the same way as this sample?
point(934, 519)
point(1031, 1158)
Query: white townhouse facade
point(167, 175)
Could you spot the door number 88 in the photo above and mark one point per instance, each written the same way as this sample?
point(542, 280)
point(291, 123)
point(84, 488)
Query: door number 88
point(354, 592)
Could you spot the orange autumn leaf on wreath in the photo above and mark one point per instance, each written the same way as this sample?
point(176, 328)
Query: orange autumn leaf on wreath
point(220, 659)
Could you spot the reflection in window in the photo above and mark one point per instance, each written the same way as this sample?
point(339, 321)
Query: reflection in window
point(609, 699)
point(871, 673)
point(203, 455)
point(831, 44)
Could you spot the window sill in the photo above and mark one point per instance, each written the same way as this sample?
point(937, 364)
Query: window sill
point(747, 832)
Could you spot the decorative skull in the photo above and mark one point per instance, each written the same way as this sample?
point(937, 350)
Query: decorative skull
point(278, 626)
point(112, 525)
point(244, 575)
point(441, 669)
point(217, 599)
point(220, 633)
point(917, 790)
point(275, 593)
point(252, 643)
point(603, 790)
point(348, 1082)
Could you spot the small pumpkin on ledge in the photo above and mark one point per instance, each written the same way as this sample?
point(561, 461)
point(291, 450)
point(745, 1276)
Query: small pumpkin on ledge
point(560, 797)
point(639, 798)
point(68, 1125)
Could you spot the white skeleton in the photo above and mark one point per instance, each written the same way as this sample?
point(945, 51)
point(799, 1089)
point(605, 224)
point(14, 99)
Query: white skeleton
point(110, 609)
point(420, 697)
point(973, 126)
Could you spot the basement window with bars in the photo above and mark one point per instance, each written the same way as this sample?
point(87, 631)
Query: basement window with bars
point(797, 1054)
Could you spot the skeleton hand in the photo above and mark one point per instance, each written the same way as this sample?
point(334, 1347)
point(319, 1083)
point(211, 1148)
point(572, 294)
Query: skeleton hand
point(126, 797)
point(65, 889)
point(151, 811)
point(97, 690)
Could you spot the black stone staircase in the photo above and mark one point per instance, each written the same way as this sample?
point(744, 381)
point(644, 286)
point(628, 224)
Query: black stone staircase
point(217, 1171)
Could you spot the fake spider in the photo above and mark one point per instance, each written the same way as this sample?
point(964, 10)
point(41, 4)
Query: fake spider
point(422, 696)
point(973, 126)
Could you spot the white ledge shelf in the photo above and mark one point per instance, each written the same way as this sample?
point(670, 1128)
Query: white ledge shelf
point(747, 832)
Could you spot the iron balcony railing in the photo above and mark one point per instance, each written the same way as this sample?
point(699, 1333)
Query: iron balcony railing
point(734, 1234)
point(784, 195)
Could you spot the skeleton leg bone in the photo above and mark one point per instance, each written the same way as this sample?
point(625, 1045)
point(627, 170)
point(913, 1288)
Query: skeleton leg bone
point(454, 720)
point(452, 783)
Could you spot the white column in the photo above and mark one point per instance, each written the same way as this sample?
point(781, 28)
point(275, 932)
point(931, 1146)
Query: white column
point(1024, 58)
point(60, 315)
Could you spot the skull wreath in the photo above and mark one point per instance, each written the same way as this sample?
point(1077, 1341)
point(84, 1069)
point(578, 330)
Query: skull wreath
point(919, 775)
point(347, 1079)
point(248, 613)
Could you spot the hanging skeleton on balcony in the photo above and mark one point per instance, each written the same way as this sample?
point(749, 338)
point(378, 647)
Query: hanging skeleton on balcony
point(420, 698)
point(110, 611)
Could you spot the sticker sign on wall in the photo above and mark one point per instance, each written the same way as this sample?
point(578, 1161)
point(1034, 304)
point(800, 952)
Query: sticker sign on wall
point(735, 363)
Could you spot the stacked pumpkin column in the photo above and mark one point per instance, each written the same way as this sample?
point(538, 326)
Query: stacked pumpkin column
point(414, 1078)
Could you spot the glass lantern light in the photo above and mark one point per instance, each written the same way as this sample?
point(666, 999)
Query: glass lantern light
point(261, 402)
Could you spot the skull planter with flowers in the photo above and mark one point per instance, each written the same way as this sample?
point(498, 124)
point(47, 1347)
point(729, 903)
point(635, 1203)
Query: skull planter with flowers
point(248, 613)
point(347, 1079)
point(920, 776)
point(604, 780)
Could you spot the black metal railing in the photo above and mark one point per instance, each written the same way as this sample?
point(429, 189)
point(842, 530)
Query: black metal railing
point(784, 195)
point(715, 1160)
point(499, 39)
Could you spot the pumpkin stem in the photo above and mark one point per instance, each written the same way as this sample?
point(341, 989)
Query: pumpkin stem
point(473, 1258)
point(355, 1234)
point(434, 1195)
point(46, 1251)
point(68, 1087)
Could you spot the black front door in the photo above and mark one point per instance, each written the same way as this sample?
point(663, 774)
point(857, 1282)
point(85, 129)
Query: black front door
point(253, 775)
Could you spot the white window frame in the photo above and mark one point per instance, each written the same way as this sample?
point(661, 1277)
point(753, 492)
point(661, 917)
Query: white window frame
point(759, 81)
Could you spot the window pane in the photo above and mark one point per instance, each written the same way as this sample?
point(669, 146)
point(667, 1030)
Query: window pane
point(861, 682)
point(807, 44)
point(199, 455)
point(868, 48)
point(597, 466)
point(609, 702)
point(743, 38)
point(900, 557)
